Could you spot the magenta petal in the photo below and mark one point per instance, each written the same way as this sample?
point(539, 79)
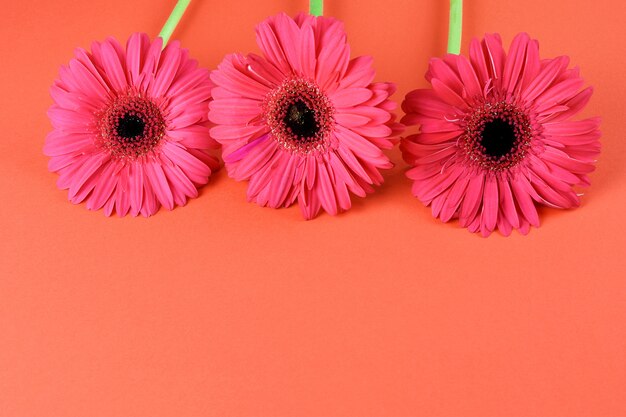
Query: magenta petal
point(490, 204)
point(359, 73)
point(545, 78)
point(105, 187)
point(448, 95)
point(473, 198)
point(471, 84)
point(515, 62)
point(325, 190)
point(525, 202)
point(113, 67)
point(350, 97)
point(111, 95)
point(241, 153)
point(494, 56)
point(503, 120)
point(507, 204)
point(159, 184)
point(252, 162)
point(440, 70)
point(280, 188)
point(168, 66)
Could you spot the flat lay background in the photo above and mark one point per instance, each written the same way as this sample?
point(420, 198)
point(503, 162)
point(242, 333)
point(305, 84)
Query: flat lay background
point(223, 308)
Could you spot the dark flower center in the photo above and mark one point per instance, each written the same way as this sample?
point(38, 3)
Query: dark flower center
point(301, 120)
point(130, 126)
point(300, 116)
point(498, 137)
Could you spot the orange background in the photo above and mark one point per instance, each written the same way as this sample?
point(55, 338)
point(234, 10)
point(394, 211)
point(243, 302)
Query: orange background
point(222, 308)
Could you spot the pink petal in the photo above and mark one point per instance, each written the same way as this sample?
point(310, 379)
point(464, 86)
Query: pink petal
point(187, 80)
point(288, 34)
point(531, 67)
point(572, 128)
point(376, 115)
point(88, 84)
point(235, 111)
point(471, 84)
point(325, 190)
point(524, 201)
point(150, 64)
point(135, 187)
point(116, 74)
point(310, 173)
point(150, 204)
point(430, 189)
point(195, 136)
point(168, 65)
point(122, 195)
point(446, 94)
point(255, 159)
point(563, 160)
point(90, 166)
point(558, 93)
point(159, 184)
point(359, 145)
point(372, 131)
point(105, 186)
point(266, 70)
point(515, 62)
point(477, 59)
point(576, 103)
point(271, 47)
point(350, 97)
point(282, 183)
point(545, 78)
point(260, 180)
point(454, 197)
point(59, 143)
point(507, 204)
point(472, 199)
point(359, 73)
point(238, 80)
point(193, 168)
point(230, 132)
point(426, 102)
point(495, 56)
point(440, 70)
point(503, 224)
point(490, 204)
point(307, 51)
point(348, 158)
point(136, 48)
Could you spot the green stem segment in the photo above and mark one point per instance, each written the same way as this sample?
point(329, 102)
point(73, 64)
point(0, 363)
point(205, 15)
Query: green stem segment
point(316, 7)
point(456, 26)
point(172, 21)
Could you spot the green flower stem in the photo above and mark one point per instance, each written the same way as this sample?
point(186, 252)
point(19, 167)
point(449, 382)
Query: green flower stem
point(172, 21)
point(316, 7)
point(456, 26)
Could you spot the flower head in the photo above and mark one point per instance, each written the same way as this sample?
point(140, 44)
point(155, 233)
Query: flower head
point(496, 136)
point(130, 126)
point(304, 122)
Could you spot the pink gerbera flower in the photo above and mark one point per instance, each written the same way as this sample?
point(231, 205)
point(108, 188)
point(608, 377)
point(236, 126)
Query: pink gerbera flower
point(497, 137)
point(130, 127)
point(304, 122)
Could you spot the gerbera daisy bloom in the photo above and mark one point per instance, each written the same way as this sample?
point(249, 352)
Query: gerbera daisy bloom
point(304, 122)
point(130, 126)
point(497, 137)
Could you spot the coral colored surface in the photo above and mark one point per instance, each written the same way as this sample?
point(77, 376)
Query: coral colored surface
point(223, 308)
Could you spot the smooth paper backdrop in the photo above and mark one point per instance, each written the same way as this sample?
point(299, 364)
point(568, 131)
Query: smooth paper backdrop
point(223, 308)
